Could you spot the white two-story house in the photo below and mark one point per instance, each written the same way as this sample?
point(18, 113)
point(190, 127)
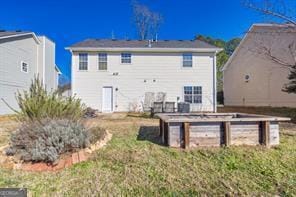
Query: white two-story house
point(24, 55)
point(129, 75)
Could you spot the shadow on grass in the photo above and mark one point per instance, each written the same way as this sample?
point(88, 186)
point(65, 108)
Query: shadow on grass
point(151, 134)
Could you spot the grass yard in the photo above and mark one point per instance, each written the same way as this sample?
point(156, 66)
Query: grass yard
point(272, 111)
point(135, 163)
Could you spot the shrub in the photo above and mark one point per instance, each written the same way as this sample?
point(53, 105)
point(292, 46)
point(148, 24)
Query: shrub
point(38, 103)
point(90, 113)
point(96, 133)
point(45, 140)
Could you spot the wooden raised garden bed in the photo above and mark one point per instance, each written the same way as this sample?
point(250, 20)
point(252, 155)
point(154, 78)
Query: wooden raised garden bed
point(215, 129)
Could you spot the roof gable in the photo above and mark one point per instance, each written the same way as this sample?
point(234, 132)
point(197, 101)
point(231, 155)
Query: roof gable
point(280, 34)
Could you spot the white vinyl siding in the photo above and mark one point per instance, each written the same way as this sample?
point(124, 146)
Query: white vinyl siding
point(187, 59)
point(24, 67)
point(48, 63)
point(21, 59)
point(83, 61)
point(12, 77)
point(126, 58)
point(103, 61)
point(149, 72)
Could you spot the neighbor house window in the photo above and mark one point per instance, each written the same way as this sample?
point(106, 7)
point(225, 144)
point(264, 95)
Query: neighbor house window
point(83, 57)
point(25, 67)
point(193, 94)
point(126, 58)
point(187, 60)
point(102, 61)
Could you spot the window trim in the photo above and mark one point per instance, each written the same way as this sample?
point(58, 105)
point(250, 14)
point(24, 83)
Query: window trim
point(79, 68)
point(183, 60)
point(122, 58)
point(23, 62)
point(102, 62)
point(193, 94)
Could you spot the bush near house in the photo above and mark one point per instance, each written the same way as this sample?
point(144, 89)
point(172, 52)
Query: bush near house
point(50, 126)
point(38, 103)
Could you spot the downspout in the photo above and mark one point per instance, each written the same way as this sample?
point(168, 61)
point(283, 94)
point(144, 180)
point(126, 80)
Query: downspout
point(37, 61)
point(43, 61)
point(72, 63)
point(214, 83)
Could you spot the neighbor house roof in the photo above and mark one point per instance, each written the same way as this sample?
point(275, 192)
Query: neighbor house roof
point(113, 44)
point(280, 32)
point(13, 34)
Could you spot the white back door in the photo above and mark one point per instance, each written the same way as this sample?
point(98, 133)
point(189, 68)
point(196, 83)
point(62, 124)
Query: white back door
point(107, 105)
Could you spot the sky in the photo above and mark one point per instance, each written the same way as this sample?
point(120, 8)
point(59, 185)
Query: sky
point(67, 22)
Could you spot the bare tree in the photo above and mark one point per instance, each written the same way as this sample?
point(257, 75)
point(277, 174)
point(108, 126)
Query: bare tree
point(280, 10)
point(274, 8)
point(147, 22)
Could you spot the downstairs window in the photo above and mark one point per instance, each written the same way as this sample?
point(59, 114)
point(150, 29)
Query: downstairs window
point(193, 94)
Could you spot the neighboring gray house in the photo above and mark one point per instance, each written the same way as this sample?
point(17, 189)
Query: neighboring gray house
point(252, 77)
point(24, 55)
point(129, 75)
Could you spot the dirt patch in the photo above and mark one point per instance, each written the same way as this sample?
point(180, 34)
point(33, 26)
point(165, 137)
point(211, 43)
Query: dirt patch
point(7, 125)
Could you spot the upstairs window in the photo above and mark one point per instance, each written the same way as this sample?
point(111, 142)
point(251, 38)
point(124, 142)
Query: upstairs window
point(187, 60)
point(102, 61)
point(193, 94)
point(83, 59)
point(126, 58)
point(24, 67)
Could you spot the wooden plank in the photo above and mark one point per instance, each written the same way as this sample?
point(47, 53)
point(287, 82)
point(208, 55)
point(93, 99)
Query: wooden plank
point(244, 133)
point(274, 134)
point(160, 127)
point(217, 117)
point(227, 133)
point(186, 126)
point(165, 133)
point(175, 136)
point(202, 141)
point(265, 133)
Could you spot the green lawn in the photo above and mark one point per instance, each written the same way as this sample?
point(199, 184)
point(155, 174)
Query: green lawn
point(273, 111)
point(133, 163)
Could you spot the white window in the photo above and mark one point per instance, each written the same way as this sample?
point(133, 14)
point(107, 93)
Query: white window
point(193, 94)
point(187, 60)
point(102, 61)
point(126, 58)
point(25, 67)
point(83, 57)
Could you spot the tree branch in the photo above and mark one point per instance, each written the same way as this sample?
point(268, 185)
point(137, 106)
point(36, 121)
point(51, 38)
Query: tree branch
point(270, 12)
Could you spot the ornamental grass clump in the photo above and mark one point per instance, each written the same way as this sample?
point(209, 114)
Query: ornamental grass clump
point(38, 103)
point(46, 140)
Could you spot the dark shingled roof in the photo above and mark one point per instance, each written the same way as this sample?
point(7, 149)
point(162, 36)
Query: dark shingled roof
point(12, 33)
point(109, 43)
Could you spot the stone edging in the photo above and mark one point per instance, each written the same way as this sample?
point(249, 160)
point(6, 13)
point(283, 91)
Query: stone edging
point(64, 162)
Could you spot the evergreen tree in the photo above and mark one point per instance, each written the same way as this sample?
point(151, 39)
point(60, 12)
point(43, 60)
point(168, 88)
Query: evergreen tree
point(291, 86)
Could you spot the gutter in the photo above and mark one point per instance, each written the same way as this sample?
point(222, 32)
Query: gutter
point(24, 34)
point(117, 49)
